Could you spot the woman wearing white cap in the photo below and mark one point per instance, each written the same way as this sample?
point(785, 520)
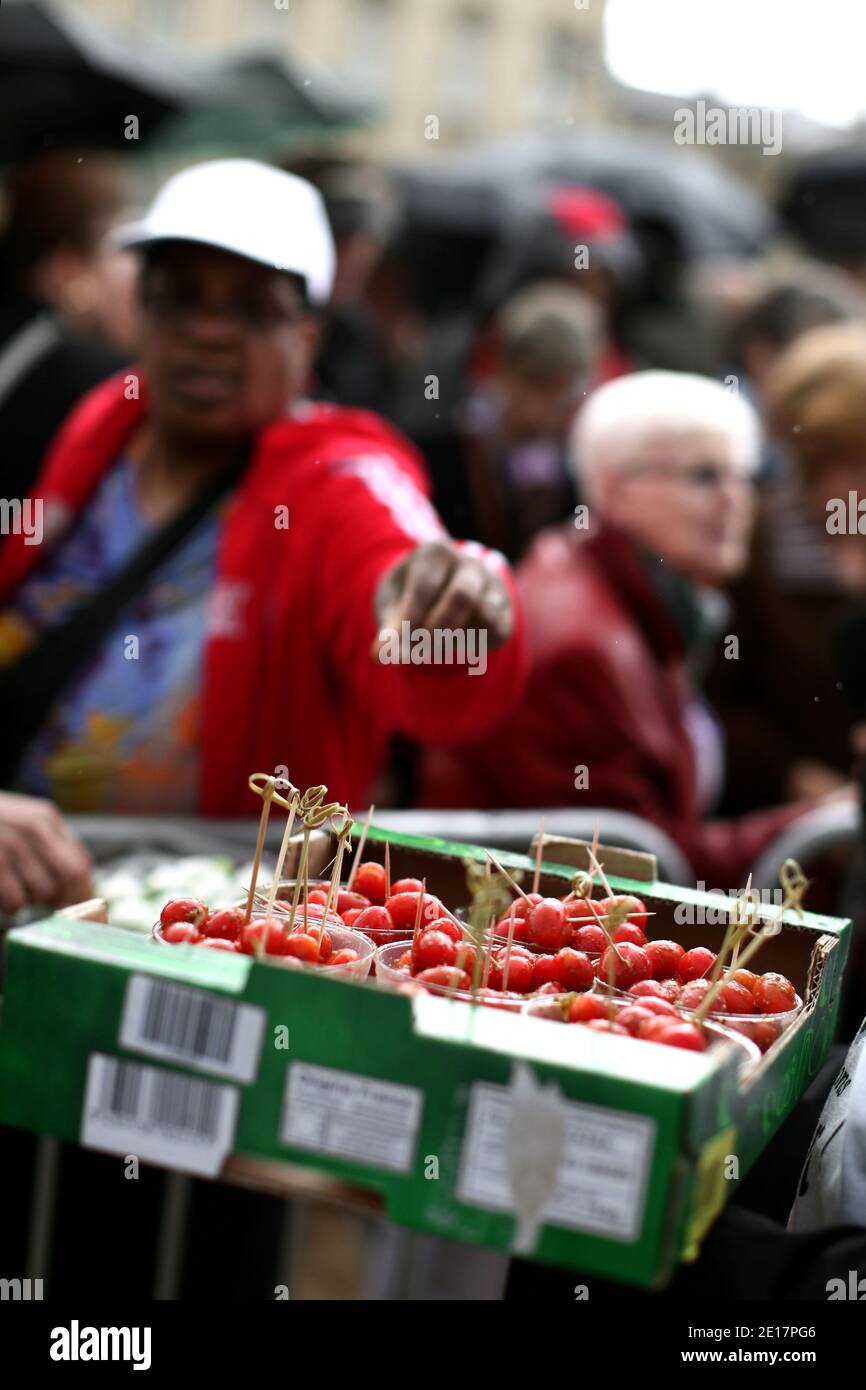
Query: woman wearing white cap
point(219, 557)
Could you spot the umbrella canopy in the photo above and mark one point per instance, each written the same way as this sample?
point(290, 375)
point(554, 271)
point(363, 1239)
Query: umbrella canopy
point(825, 204)
point(705, 209)
point(66, 81)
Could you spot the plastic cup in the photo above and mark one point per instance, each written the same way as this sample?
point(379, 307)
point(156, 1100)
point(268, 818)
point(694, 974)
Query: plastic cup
point(342, 938)
point(389, 977)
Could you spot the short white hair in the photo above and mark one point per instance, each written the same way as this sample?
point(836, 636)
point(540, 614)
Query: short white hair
point(623, 417)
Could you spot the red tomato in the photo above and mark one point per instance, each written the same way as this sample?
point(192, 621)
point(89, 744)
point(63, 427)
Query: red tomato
point(603, 1025)
point(694, 993)
point(695, 964)
point(303, 947)
point(574, 969)
point(520, 971)
point(682, 1035)
point(585, 1007)
point(544, 970)
point(774, 994)
point(431, 949)
point(631, 932)
point(268, 930)
point(370, 880)
point(403, 908)
point(547, 924)
point(552, 987)
point(738, 1000)
point(348, 900)
point(591, 939)
point(343, 957)
point(636, 910)
point(445, 976)
point(450, 928)
point(351, 917)
point(647, 989)
point(632, 1016)
point(179, 932)
point(319, 896)
point(522, 906)
point(218, 943)
point(372, 919)
point(225, 923)
point(746, 978)
point(665, 957)
point(661, 1007)
point(629, 964)
point(406, 885)
point(183, 910)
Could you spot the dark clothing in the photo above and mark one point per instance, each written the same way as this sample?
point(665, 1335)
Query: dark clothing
point(66, 367)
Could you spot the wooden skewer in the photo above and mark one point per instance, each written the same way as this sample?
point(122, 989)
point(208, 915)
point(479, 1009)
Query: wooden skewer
point(267, 795)
point(536, 877)
point(421, 896)
point(387, 869)
point(507, 876)
point(281, 857)
point(360, 850)
point(510, 942)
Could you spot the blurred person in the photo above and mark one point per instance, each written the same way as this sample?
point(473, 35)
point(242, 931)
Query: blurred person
point(782, 706)
point(63, 300)
point(511, 476)
point(41, 860)
point(220, 554)
point(619, 615)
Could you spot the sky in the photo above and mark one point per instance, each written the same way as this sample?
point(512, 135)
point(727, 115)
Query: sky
point(803, 55)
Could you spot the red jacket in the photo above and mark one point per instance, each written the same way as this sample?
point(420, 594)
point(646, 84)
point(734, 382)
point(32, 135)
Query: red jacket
point(288, 677)
point(608, 690)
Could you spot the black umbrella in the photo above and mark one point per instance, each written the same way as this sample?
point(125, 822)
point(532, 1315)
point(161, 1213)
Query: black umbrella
point(824, 204)
point(67, 81)
point(705, 210)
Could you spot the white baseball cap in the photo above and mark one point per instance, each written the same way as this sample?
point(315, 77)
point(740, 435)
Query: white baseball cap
point(249, 208)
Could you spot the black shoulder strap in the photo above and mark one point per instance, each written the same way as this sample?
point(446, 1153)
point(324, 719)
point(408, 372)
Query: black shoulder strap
point(30, 688)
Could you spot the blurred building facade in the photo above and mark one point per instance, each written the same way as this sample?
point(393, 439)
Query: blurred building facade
point(477, 67)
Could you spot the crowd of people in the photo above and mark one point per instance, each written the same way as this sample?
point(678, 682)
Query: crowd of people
point(258, 451)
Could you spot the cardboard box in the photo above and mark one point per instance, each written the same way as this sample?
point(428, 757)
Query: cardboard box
point(619, 1151)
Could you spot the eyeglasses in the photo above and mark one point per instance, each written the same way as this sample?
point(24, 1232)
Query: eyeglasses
point(703, 476)
point(174, 303)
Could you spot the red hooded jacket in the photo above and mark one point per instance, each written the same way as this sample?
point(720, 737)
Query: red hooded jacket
point(288, 677)
point(608, 691)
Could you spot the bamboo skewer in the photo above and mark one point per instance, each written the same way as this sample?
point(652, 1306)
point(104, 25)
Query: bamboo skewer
point(360, 849)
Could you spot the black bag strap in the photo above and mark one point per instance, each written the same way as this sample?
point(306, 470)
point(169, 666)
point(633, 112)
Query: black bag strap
point(29, 688)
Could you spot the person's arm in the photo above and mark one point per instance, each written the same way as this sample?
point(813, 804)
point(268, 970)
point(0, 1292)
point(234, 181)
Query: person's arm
point(388, 571)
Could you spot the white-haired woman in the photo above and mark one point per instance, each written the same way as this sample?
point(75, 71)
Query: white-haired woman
point(617, 607)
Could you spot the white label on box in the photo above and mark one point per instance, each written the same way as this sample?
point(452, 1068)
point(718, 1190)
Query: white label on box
point(601, 1183)
point(181, 1122)
point(358, 1117)
point(200, 1030)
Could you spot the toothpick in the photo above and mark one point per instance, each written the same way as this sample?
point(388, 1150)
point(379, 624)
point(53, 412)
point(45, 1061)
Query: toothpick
point(333, 886)
point(508, 946)
point(508, 878)
point(387, 869)
point(284, 849)
point(536, 878)
point(267, 795)
point(360, 849)
point(421, 896)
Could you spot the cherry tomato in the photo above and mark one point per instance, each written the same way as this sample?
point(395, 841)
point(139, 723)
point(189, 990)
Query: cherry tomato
point(372, 919)
point(574, 969)
point(406, 885)
point(591, 939)
point(445, 976)
point(218, 943)
point(552, 987)
point(317, 896)
point(405, 961)
point(178, 932)
point(661, 1007)
point(351, 917)
point(738, 999)
point(267, 930)
point(647, 989)
point(183, 910)
point(774, 994)
point(431, 949)
point(695, 964)
point(665, 957)
point(629, 964)
point(225, 923)
point(684, 1035)
point(746, 978)
point(637, 912)
point(632, 1016)
point(370, 880)
point(403, 908)
point(347, 900)
point(345, 956)
point(631, 932)
point(520, 971)
point(695, 991)
point(521, 906)
point(604, 1025)
point(547, 924)
point(302, 947)
point(450, 928)
point(585, 1007)
point(545, 968)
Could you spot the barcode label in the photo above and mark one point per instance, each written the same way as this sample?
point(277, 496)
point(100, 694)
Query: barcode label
point(200, 1030)
point(357, 1117)
point(160, 1116)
